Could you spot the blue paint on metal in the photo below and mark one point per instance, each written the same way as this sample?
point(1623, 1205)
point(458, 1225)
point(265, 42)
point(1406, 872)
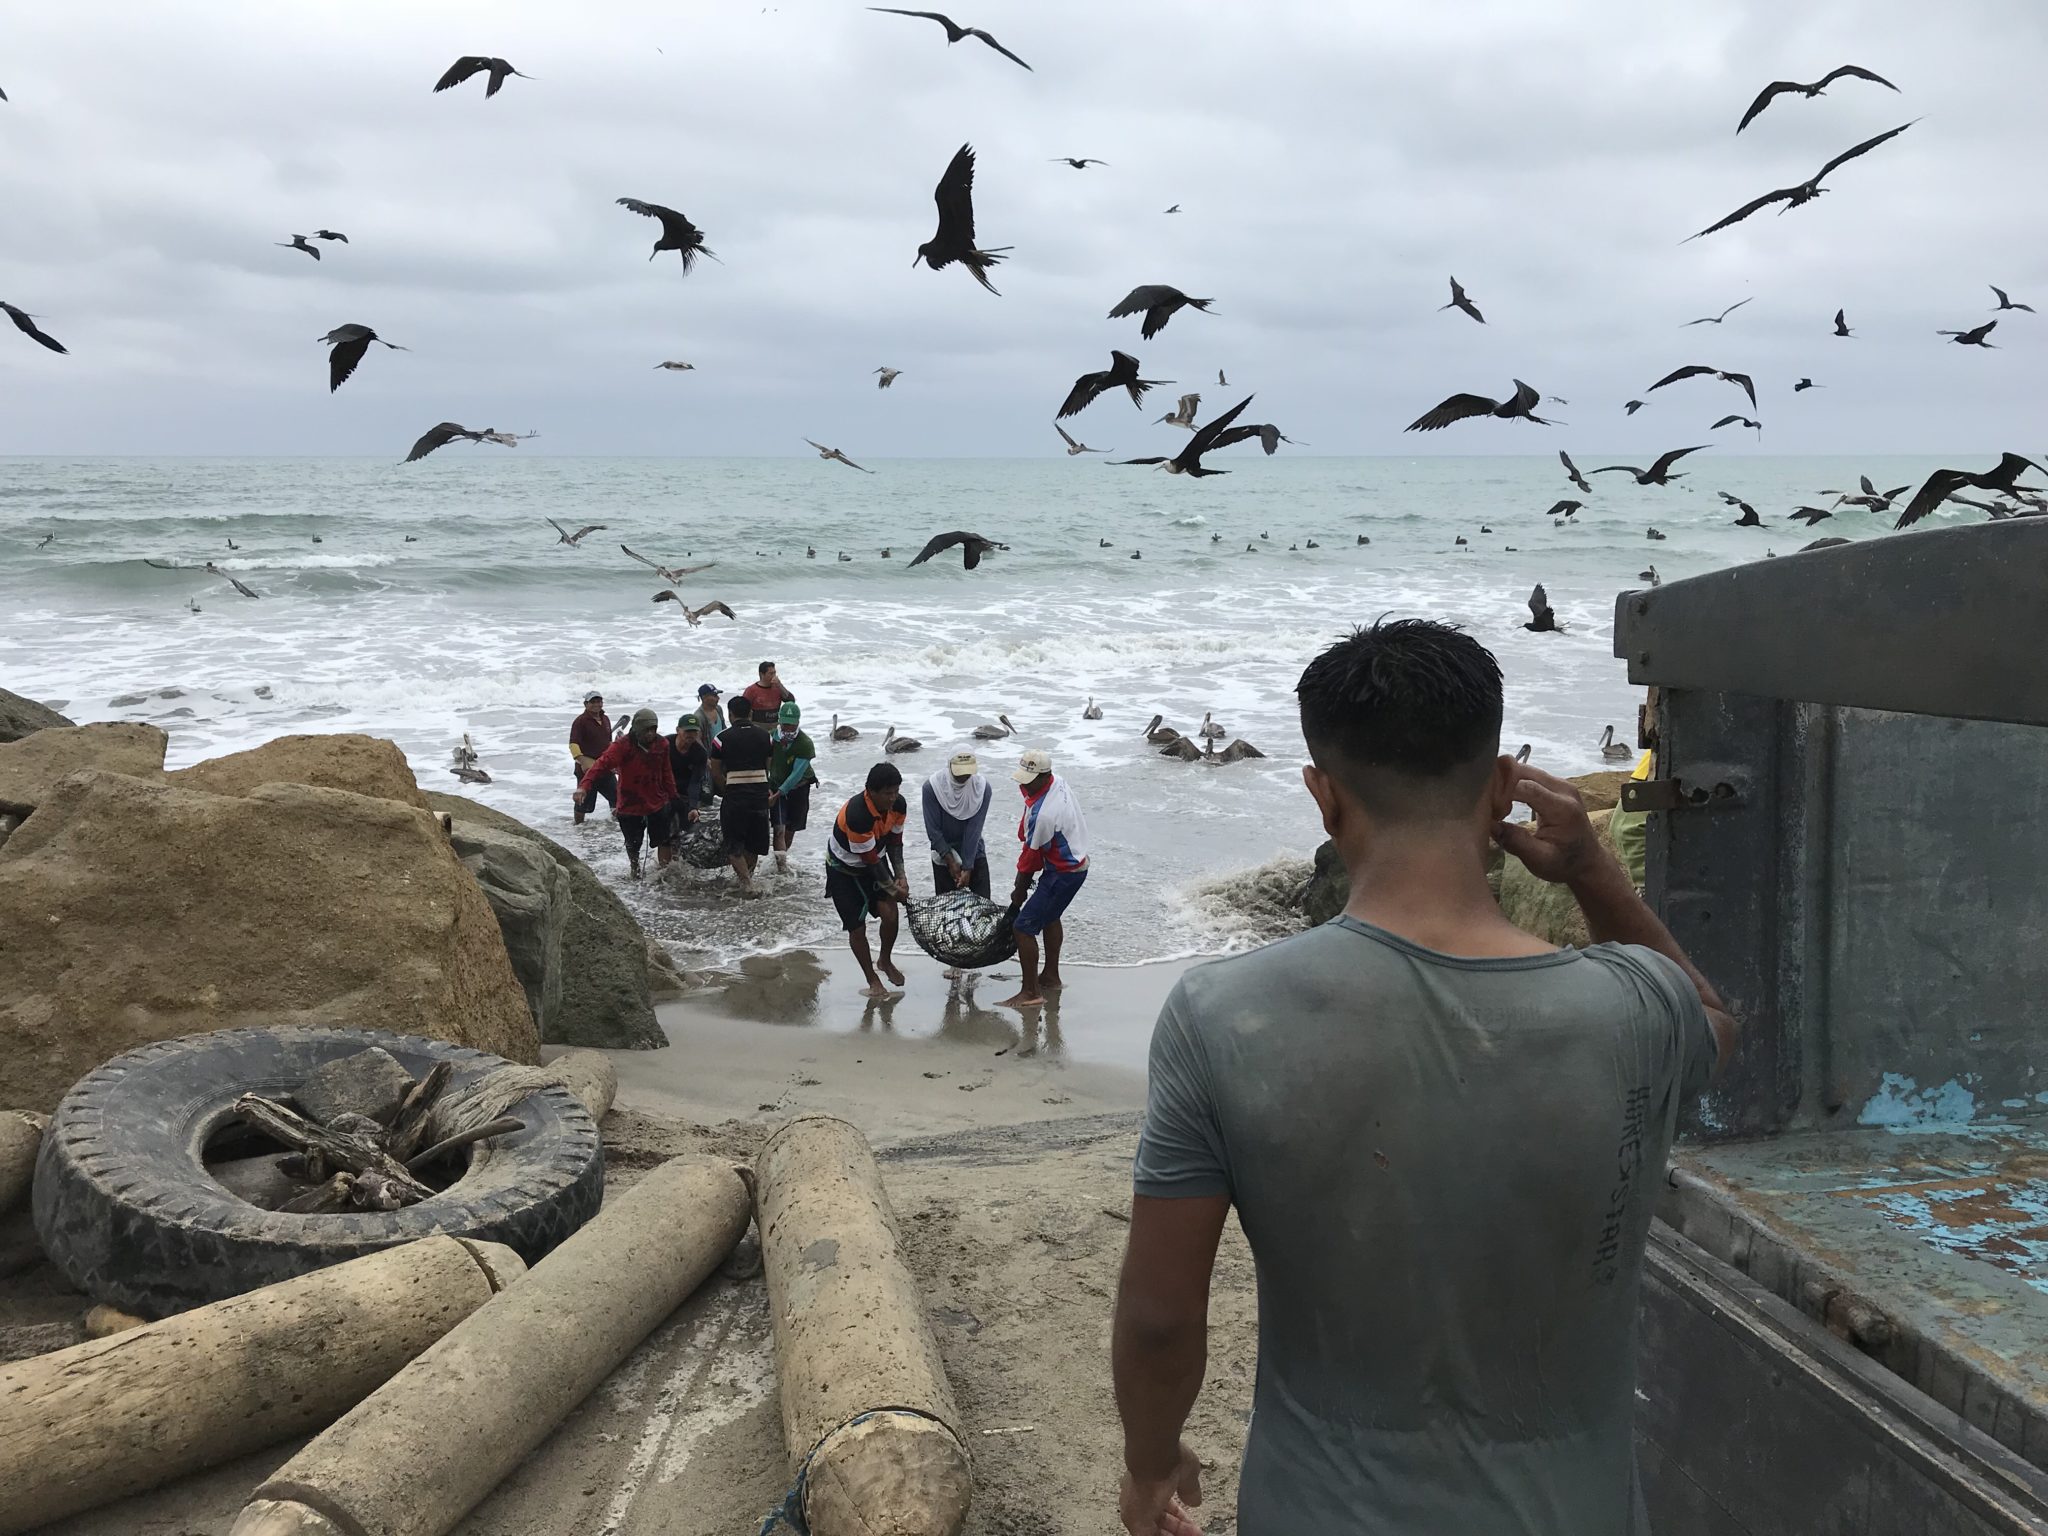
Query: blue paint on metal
point(1901, 1104)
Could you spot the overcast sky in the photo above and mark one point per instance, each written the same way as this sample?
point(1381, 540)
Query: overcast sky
point(1335, 163)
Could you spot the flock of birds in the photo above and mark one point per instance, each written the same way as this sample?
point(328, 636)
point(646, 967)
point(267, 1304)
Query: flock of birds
point(955, 241)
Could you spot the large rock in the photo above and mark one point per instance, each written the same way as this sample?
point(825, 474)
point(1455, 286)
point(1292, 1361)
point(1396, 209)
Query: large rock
point(19, 717)
point(135, 910)
point(362, 765)
point(605, 999)
point(532, 896)
point(31, 765)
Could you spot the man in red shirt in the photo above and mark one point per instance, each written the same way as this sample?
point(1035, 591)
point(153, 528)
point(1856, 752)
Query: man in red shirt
point(768, 695)
point(589, 734)
point(647, 787)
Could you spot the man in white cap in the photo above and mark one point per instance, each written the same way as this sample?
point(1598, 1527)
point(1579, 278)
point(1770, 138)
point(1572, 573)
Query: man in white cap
point(956, 801)
point(1055, 838)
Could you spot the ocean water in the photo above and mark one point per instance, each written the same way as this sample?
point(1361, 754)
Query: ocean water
point(485, 624)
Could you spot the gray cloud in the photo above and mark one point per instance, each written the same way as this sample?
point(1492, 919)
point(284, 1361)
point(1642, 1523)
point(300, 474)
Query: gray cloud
point(1336, 163)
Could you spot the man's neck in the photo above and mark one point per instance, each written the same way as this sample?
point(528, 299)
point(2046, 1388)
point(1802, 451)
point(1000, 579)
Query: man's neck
point(1427, 883)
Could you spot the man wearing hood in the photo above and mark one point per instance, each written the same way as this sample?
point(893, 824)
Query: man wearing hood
point(647, 787)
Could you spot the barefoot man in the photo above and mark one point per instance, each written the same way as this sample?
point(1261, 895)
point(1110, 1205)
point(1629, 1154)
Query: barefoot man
point(1055, 838)
point(864, 871)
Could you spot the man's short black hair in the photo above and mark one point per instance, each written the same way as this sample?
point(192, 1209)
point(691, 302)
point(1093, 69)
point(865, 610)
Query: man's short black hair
point(738, 709)
point(764, 669)
point(1406, 715)
point(884, 776)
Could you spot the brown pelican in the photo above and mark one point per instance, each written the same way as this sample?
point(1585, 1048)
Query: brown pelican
point(694, 615)
point(665, 572)
point(995, 732)
point(1609, 747)
point(891, 742)
point(888, 376)
point(675, 366)
point(1210, 730)
point(1159, 733)
point(1183, 414)
point(834, 453)
point(566, 537)
point(1093, 711)
point(844, 732)
point(1074, 447)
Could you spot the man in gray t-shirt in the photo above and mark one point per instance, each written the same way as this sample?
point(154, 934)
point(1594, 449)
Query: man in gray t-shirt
point(1443, 1139)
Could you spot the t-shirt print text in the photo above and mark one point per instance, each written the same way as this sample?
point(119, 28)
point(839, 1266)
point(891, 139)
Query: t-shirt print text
point(1628, 1159)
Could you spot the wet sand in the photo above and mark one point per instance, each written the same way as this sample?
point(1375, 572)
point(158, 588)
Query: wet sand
point(790, 1032)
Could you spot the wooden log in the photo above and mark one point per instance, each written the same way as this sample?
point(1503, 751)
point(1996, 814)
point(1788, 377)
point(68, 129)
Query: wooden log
point(417, 1455)
point(867, 1412)
point(503, 1126)
point(21, 1134)
point(113, 1416)
point(354, 1154)
point(409, 1125)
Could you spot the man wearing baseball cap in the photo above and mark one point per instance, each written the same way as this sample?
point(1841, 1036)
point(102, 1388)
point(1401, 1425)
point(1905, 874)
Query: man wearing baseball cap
point(1055, 838)
point(647, 787)
point(710, 715)
point(790, 777)
point(589, 734)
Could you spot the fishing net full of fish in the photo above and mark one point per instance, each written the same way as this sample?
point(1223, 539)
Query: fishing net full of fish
point(963, 929)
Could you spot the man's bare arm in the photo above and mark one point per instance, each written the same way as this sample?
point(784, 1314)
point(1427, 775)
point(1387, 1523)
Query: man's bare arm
point(1561, 846)
point(1160, 1346)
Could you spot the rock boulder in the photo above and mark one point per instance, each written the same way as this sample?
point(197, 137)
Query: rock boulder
point(362, 765)
point(605, 993)
point(134, 910)
point(31, 765)
point(19, 717)
point(531, 895)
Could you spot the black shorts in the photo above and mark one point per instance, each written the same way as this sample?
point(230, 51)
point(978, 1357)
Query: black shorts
point(977, 877)
point(856, 896)
point(608, 786)
point(658, 829)
point(745, 819)
point(793, 810)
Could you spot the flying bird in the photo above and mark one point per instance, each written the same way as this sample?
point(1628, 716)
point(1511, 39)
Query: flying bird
point(1749, 519)
point(1741, 380)
point(1189, 460)
point(1717, 319)
point(1519, 406)
point(1221, 382)
point(1074, 447)
point(1572, 471)
point(972, 547)
point(834, 453)
point(1944, 483)
point(1460, 301)
point(298, 243)
point(1842, 324)
point(1806, 384)
point(1729, 421)
point(1566, 507)
point(674, 573)
point(1174, 209)
point(350, 343)
point(1659, 472)
point(1541, 618)
point(954, 240)
point(1122, 371)
point(1270, 438)
point(1777, 88)
point(504, 439)
point(954, 31)
point(1806, 191)
point(25, 323)
point(1974, 337)
point(678, 366)
point(439, 437)
point(1159, 301)
point(564, 536)
point(1810, 515)
point(1183, 413)
point(1079, 165)
point(694, 615)
point(330, 234)
point(888, 376)
point(474, 64)
point(2006, 303)
point(678, 234)
point(1632, 406)
point(1874, 500)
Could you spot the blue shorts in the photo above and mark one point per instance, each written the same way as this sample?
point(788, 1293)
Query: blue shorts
point(1049, 898)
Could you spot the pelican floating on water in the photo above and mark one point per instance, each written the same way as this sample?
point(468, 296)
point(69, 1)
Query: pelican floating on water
point(891, 742)
point(1611, 748)
point(1210, 730)
point(1159, 733)
point(1093, 711)
point(844, 732)
point(995, 732)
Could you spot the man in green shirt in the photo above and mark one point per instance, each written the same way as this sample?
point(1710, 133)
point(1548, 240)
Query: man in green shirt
point(790, 778)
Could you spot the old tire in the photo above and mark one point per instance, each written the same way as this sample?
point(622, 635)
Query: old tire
point(127, 1211)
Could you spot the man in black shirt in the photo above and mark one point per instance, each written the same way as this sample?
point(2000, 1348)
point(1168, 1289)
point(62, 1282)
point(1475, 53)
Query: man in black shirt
point(691, 765)
point(739, 767)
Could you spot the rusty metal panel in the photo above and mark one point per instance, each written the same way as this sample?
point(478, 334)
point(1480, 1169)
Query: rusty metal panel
point(1753, 1421)
point(1945, 621)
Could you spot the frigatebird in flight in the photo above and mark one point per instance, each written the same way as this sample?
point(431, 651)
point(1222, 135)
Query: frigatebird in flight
point(1777, 88)
point(954, 240)
point(1806, 191)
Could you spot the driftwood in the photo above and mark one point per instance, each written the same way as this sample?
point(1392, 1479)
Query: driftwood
point(500, 1127)
point(409, 1125)
point(351, 1154)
